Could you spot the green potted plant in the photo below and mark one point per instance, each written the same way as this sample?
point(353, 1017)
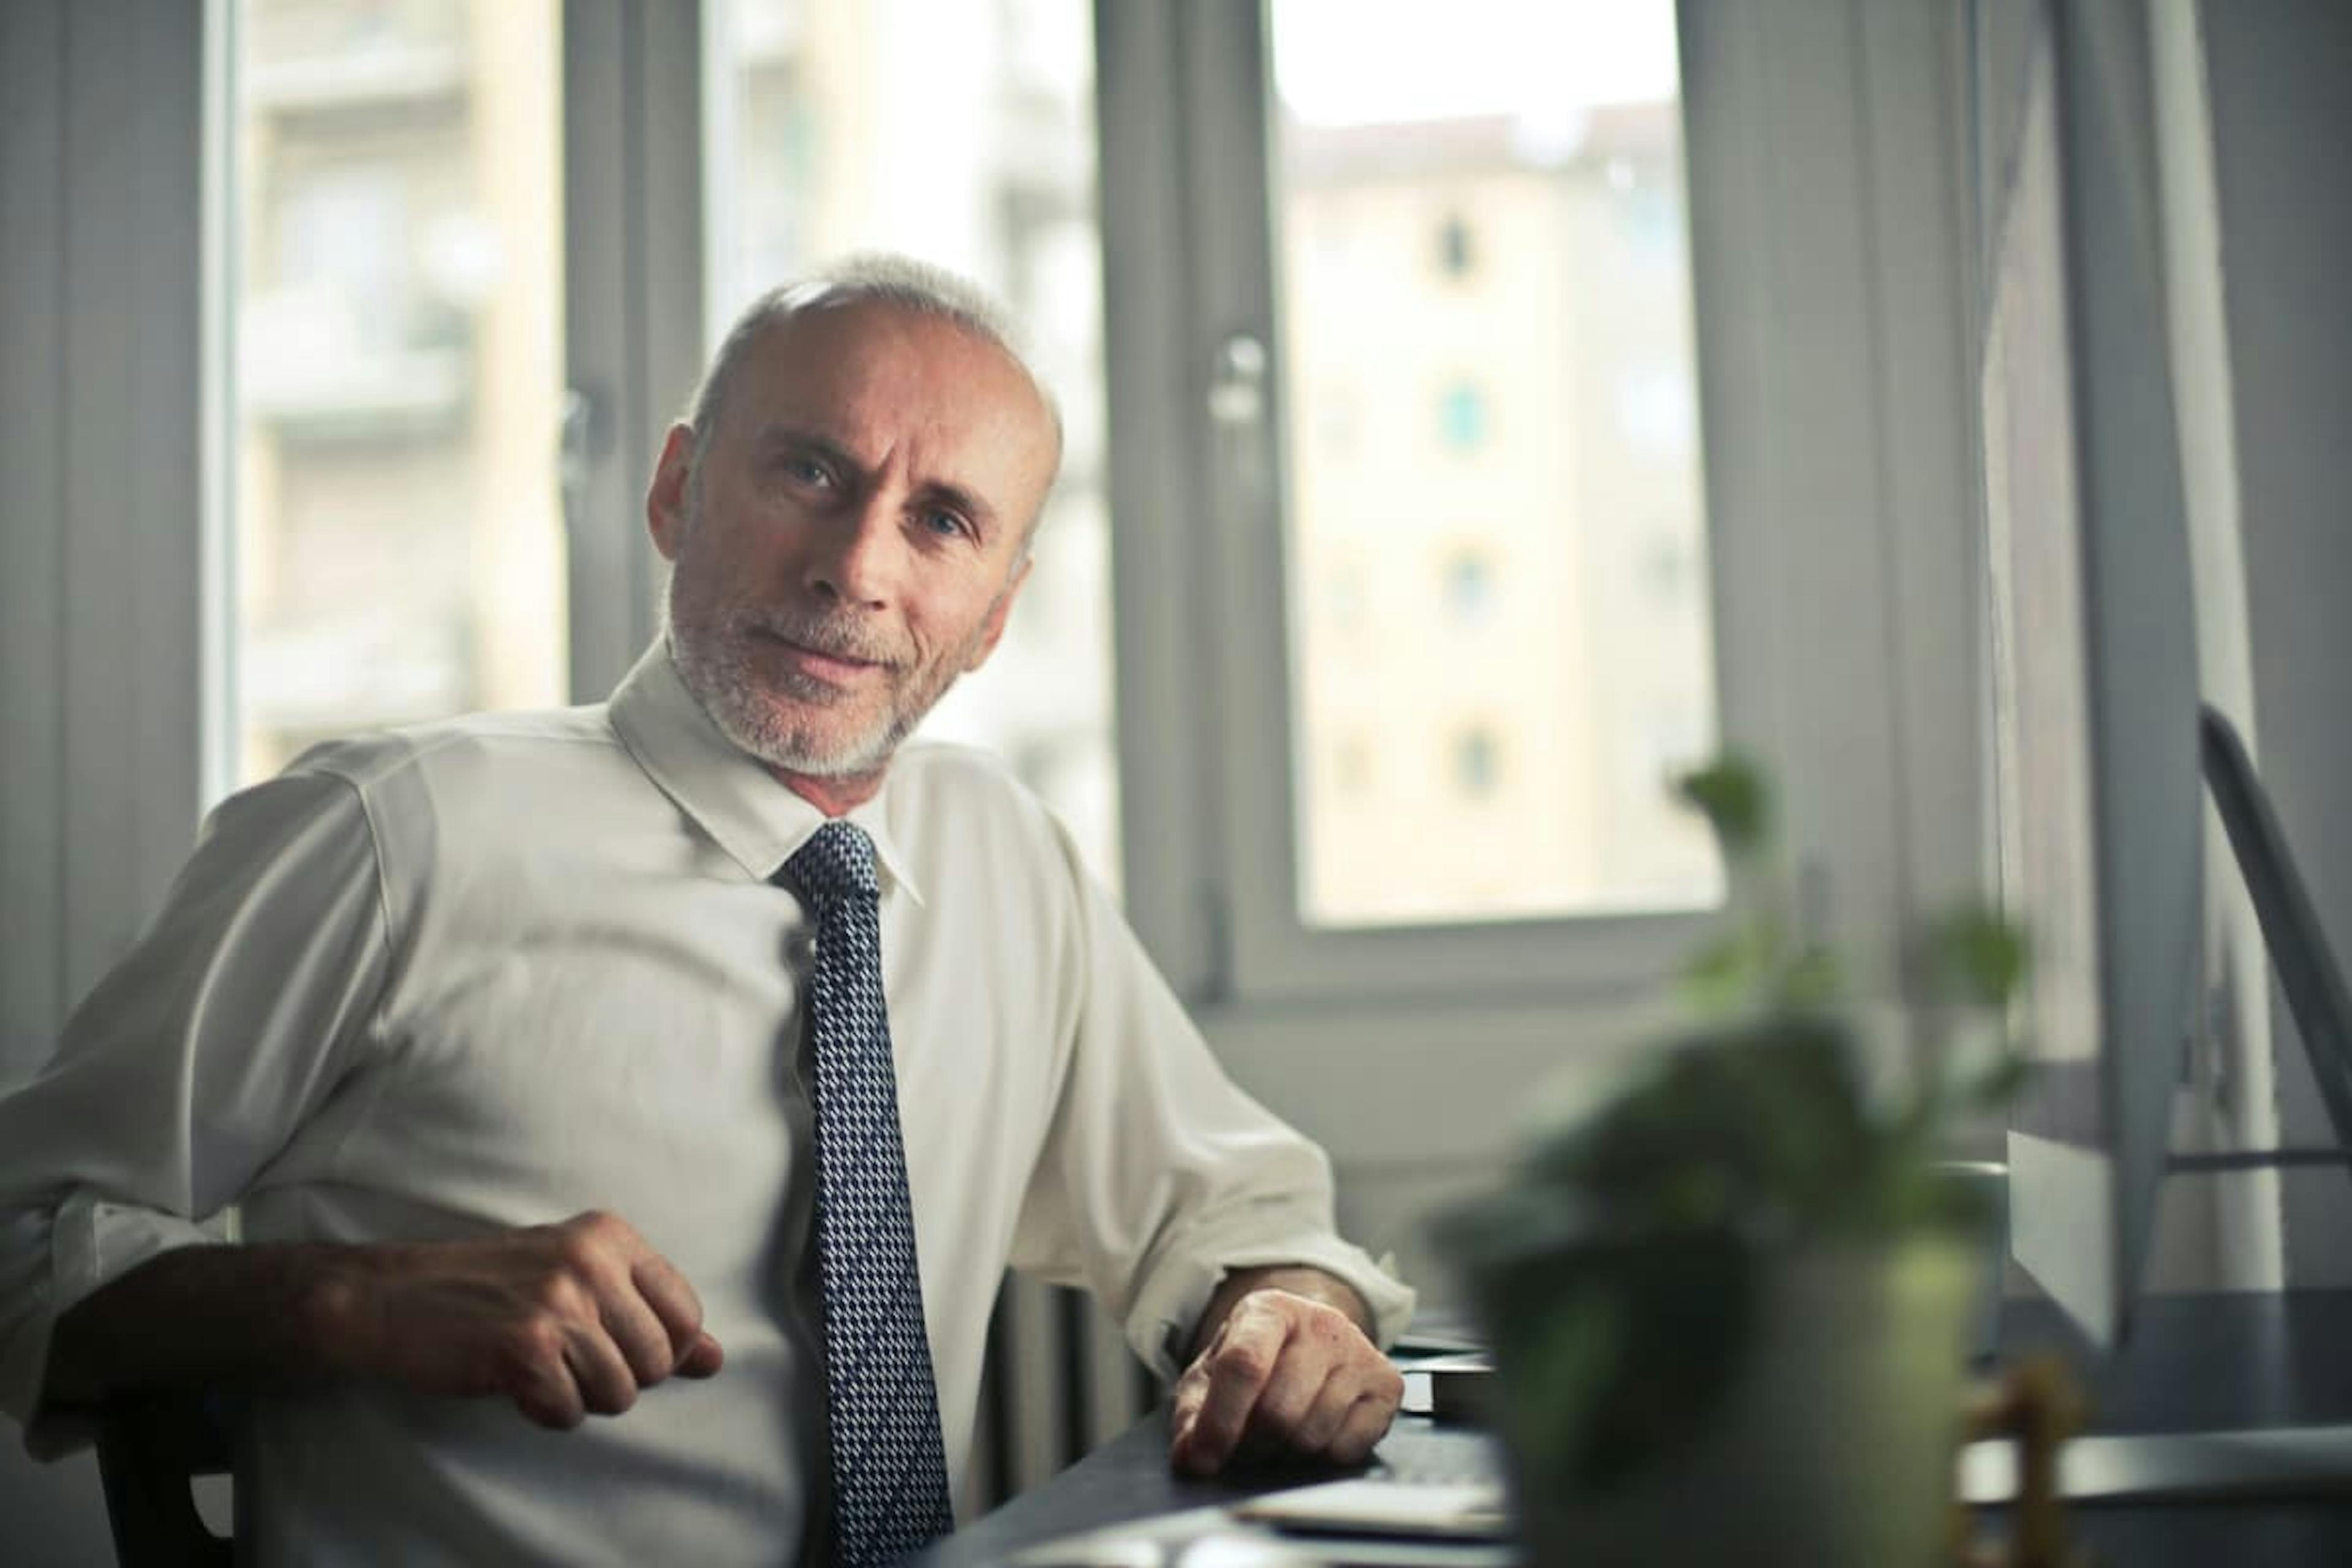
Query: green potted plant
point(1728, 1307)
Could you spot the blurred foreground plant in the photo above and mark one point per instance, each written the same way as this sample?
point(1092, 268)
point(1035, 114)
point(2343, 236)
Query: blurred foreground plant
point(1620, 1266)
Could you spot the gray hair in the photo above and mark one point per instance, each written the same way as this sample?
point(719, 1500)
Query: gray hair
point(868, 277)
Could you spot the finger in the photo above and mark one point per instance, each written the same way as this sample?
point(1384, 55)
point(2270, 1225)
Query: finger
point(600, 1255)
point(552, 1400)
point(1238, 1368)
point(1367, 1423)
point(532, 1372)
point(1184, 1399)
point(1311, 1432)
point(639, 1336)
point(606, 1384)
point(1184, 1413)
point(1291, 1414)
point(703, 1358)
point(1356, 1373)
point(1192, 1387)
point(673, 1300)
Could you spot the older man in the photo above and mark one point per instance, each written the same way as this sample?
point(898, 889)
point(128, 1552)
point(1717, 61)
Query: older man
point(809, 1036)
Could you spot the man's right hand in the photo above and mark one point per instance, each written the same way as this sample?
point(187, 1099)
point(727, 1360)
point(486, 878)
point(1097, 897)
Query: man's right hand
point(563, 1320)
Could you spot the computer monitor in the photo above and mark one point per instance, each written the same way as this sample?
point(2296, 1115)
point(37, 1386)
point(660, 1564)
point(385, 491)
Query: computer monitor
point(2100, 737)
point(2094, 665)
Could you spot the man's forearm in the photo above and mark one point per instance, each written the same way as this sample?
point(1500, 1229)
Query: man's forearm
point(219, 1316)
point(565, 1319)
point(1298, 1279)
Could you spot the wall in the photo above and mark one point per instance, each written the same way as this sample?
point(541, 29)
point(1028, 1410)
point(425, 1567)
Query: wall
point(99, 698)
point(2276, 72)
point(100, 322)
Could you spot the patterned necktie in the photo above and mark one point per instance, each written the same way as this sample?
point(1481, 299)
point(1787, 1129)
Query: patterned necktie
point(889, 1471)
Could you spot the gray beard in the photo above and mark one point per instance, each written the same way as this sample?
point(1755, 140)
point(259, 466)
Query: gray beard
point(722, 682)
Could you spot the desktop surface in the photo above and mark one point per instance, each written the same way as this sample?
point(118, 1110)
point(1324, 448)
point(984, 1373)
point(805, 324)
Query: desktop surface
point(2192, 1363)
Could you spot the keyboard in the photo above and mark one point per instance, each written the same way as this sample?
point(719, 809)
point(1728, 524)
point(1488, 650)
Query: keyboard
point(1414, 1453)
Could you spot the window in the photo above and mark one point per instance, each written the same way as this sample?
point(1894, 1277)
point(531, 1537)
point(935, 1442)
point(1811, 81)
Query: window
point(1571, 315)
point(1470, 589)
point(1455, 253)
point(1461, 418)
point(398, 540)
point(1687, 274)
point(1477, 763)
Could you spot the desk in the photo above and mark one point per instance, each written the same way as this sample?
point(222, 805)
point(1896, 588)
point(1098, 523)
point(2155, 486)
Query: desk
point(2195, 1362)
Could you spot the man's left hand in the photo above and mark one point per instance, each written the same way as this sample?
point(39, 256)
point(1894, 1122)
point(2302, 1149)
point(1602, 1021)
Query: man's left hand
point(1283, 1376)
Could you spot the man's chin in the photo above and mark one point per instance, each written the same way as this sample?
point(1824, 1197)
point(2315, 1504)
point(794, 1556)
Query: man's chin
point(796, 747)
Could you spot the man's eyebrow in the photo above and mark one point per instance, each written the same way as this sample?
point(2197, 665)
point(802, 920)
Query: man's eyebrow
point(801, 438)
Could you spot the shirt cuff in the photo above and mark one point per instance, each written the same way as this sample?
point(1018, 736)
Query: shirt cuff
point(1168, 1309)
point(91, 1243)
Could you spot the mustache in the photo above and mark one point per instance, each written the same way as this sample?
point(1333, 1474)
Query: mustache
point(820, 633)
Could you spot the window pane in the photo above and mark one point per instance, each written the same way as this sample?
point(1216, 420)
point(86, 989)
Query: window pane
point(964, 135)
point(399, 544)
point(1498, 586)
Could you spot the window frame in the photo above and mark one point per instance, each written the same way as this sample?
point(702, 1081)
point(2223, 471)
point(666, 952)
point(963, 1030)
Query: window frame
point(111, 666)
point(633, 292)
point(1826, 221)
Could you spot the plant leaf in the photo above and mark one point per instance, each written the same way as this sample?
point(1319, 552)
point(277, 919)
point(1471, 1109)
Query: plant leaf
point(1982, 955)
point(1812, 981)
point(1726, 973)
point(1730, 793)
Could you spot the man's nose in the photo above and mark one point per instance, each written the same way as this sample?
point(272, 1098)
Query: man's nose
point(857, 554)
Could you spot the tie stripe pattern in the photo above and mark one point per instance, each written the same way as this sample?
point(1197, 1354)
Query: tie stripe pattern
point(889, 1469)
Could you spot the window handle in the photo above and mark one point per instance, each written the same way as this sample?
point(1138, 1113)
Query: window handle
point(1239, 429)
point(1237, 390)
point(576, 450)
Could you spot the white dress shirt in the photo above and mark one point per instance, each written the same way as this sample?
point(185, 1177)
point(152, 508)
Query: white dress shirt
point(497, 970)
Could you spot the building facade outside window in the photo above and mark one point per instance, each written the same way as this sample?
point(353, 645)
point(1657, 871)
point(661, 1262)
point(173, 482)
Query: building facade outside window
point(397, 374)
point(1562, 274)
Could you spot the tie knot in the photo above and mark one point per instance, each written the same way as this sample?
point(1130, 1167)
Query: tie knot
point(837, 862)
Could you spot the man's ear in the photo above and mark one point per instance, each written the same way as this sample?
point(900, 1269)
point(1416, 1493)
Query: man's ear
point(999, 613)
point(665, 509)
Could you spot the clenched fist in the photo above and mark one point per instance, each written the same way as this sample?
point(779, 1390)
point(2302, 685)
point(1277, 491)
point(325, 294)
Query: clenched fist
point(1283, 1376)
point(563, 1320)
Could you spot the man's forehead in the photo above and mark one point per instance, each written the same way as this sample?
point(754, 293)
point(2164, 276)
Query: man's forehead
point(874, 351)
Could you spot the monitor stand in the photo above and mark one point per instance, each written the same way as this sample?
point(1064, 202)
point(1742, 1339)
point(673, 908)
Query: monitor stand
point(2292, 934)
point(2255, 1462)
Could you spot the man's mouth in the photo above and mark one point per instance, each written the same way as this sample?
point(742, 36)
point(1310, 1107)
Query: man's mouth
point(834, 667)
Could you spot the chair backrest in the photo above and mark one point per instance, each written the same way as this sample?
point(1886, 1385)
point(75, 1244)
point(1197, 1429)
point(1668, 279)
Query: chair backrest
point(149, 1449)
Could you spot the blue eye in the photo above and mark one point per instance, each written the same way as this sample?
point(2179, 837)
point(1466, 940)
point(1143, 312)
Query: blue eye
point(943, 523)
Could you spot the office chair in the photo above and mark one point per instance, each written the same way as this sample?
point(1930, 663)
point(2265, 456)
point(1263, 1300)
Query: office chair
point(149, 1448)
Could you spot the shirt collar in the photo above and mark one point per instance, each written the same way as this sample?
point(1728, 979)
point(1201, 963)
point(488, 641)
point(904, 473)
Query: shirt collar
point(729, 794)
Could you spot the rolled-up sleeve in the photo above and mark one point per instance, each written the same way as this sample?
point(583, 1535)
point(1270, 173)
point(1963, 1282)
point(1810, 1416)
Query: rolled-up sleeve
point(1160, 1175)
point(190, 1066)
